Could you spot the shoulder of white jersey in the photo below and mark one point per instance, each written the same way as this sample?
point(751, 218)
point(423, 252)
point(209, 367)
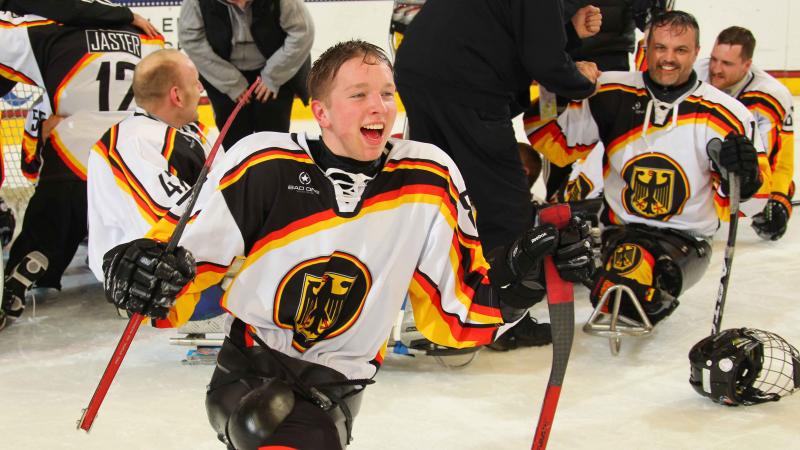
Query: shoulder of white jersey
point(701, 68)
point(8, 18)
point(407, 149)
point(766, 83)
point(143, 128)
point(632, 78)
point(711, 94)
point(420, 151)
point(256, 142)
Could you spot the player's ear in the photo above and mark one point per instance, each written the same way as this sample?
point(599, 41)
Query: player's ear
point(320, 112)
point(175, 97)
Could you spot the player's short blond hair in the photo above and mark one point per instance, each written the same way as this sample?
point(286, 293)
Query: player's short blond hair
point(156, 74)
point(328, 64)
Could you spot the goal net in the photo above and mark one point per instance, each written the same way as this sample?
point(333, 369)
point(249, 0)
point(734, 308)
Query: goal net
point(16, 189)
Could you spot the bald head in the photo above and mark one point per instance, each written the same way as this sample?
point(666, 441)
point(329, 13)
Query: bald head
point(156, 73)
point(166, 83)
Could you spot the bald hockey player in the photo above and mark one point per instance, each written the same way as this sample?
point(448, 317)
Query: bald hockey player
point(663, 195)
point(730, 69)
point(335, 231)
point(86, 73)
point(145, 165)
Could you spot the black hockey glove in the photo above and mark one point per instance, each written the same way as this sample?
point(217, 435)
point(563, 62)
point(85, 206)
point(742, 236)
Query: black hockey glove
point(770, 224)
point(740, 157)
point(141, 278)
point(574, 257)
point(7, 223)
point(516, 271)
point(517, 275)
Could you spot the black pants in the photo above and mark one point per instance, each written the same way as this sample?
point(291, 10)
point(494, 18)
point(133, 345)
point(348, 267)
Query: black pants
point(240, 371)
point(274, 115)
point(55, 223)
point(484, 147)
point(557, 176)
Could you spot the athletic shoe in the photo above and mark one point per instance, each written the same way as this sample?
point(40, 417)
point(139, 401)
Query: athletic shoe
point(528, 332)
point(24, 274)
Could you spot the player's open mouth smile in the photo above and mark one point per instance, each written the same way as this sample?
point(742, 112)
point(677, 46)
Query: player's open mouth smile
point(372, 132)
point(668, 67)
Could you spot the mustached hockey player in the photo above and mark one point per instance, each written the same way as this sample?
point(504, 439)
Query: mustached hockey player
point(335, 231)
point(730, 69)
point(663, 196)
point(86, 73)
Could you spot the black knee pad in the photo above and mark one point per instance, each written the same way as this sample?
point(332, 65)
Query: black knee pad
point(683, 261)
point(656, 264)
point(680, 259)
point(259, 414)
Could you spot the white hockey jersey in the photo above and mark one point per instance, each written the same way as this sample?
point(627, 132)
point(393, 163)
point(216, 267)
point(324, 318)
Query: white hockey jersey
point(772, 105)
point(586, 179)
point(656, 169)
point(324, 285)
point(82, 69)
point(138, 171)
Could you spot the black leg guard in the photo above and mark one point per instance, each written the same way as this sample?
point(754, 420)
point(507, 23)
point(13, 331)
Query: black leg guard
point(246, 378)
point(259, 414)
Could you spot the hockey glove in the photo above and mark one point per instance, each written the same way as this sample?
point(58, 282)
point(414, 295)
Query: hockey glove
point(518, 275)
point(141, 278)
point(770, 224)
point(574, 258)
point(740, 157)
point(516, 271)
point(7, 223)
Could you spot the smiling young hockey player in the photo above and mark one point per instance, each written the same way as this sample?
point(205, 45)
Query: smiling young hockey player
point(663, 195)
point(335, 231)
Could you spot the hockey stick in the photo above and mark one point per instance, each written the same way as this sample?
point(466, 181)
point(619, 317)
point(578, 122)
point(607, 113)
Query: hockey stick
point(713, 149)
point(795, 202)
point(562, 322)
point(90, 412)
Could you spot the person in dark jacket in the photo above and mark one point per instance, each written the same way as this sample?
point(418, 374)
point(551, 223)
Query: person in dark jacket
point(232, 42)
point(609, 49)
point(464, 70)
point(79, 13)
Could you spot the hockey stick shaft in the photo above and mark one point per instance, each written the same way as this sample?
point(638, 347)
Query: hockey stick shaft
point(734, 190)
point(90, 412)
point(562, 322)
point(727, 261)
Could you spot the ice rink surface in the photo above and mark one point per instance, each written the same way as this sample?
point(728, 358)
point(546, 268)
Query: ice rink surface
point(51, 361)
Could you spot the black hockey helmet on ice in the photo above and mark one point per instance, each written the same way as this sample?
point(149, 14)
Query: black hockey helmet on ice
point(744, 366)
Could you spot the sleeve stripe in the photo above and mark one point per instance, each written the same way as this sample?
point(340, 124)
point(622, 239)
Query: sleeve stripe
point(259, 157)
point(11, 74)
point(151, 210)
point(441, 326)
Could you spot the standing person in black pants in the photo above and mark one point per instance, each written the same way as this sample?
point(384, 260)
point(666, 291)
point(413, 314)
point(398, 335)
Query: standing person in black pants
point(464, 70)
point(232, 42)
point(610, 49)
